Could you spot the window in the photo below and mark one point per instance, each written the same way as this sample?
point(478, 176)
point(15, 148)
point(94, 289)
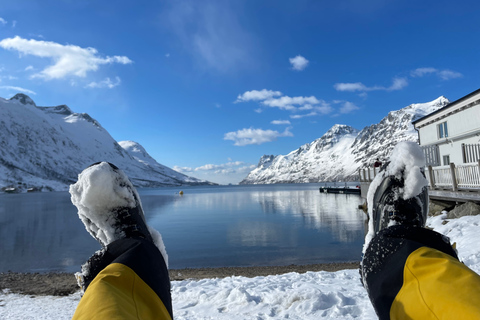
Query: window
point(446, 160)
point(442, 130)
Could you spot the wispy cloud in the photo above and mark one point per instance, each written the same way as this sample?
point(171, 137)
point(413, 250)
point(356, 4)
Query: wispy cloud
point(224, 168)
point(18, 89)
point(442, 74)
point(68, 60)
point(289, 103)
point(397, 84)
point(280, 122)
point(211, 32)
point(298, 63)
point(249, 136)
point(257, 95)
point(348, 107)
point(107, 83)
point(183, 169)
point(3, 21)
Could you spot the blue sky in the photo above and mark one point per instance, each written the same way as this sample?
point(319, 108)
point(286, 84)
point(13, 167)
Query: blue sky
point(208, 87)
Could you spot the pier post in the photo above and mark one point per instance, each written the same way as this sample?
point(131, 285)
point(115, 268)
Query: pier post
point(432, 178)
point(454, 177)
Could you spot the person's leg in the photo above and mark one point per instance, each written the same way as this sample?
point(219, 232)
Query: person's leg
point(411, 272)
point(128, 278)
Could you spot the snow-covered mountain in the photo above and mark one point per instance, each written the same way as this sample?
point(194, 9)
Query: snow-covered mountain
point(47, 147)
point(342, 150)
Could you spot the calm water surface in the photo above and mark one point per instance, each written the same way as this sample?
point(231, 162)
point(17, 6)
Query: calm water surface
point(206, 227)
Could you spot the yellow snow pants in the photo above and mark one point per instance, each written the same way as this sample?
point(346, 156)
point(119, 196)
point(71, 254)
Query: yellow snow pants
point(414, 273)
point(132, 283)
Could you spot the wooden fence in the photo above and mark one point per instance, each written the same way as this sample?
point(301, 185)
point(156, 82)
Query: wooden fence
point(452, 177)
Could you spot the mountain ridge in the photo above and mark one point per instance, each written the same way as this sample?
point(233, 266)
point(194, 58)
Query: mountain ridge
point(45, 148)
point(342, 150)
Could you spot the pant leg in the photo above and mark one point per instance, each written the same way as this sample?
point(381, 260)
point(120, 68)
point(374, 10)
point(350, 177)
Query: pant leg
point(414, 273)
point(129, 280)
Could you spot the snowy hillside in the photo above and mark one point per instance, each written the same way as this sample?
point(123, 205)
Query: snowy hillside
point(47, 147)
point(342, 150)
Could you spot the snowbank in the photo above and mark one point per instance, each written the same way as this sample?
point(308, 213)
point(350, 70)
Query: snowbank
point(313, 295)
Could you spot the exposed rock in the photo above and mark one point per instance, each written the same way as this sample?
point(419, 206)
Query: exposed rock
point(436, 207)
point(466, 209)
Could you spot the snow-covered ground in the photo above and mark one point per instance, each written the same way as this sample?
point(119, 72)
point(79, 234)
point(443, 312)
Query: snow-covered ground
point(313, 295)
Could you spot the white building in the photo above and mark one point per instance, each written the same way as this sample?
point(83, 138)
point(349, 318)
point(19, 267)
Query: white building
point(452, 133)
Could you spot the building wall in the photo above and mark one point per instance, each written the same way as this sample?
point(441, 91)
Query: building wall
point(458, 124)
point(463, 127)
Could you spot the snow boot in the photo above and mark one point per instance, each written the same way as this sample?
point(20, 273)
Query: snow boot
point(108, 204)
point(399, 194)
point(390, 208)
point(110, 208)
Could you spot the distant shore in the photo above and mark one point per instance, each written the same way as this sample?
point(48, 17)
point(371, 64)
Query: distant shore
point(62, 284)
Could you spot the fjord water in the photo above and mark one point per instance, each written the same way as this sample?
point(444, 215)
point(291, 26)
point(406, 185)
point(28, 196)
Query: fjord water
point(205, 227)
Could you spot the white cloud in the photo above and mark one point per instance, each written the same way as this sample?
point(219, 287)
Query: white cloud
point(257, 95)
point(348, 107)
point(167, 55)
point(442, 74)
point(420, 72)
point(18, 89)
point(68, 60)
point(229, 167)
point(287, 103)
point(3, 21)
point(211, 167)
point(306, 107)
point(29, 68)
point(397, 84)
point(255, 136)
point(298, 63)
point(107, 83)
point(269, 98)
point(356, 86)
point(448, 74)
point(182, 169)
point(280, 122)
point(14, 23)
point(299, 116)
point(230, 172)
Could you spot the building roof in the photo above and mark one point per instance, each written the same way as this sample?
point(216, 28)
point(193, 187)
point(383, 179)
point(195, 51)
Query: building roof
point(451, 104)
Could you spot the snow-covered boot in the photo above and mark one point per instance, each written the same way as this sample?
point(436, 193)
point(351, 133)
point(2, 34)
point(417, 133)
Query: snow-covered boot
point(399, 194)
point(110, 208)
point(390, 207)
point(108, 204)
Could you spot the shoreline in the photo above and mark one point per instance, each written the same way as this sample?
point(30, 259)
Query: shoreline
point(63, 284)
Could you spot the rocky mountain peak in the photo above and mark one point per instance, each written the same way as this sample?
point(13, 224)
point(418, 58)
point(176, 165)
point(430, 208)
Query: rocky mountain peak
point(23, 99)
point(343, 150)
